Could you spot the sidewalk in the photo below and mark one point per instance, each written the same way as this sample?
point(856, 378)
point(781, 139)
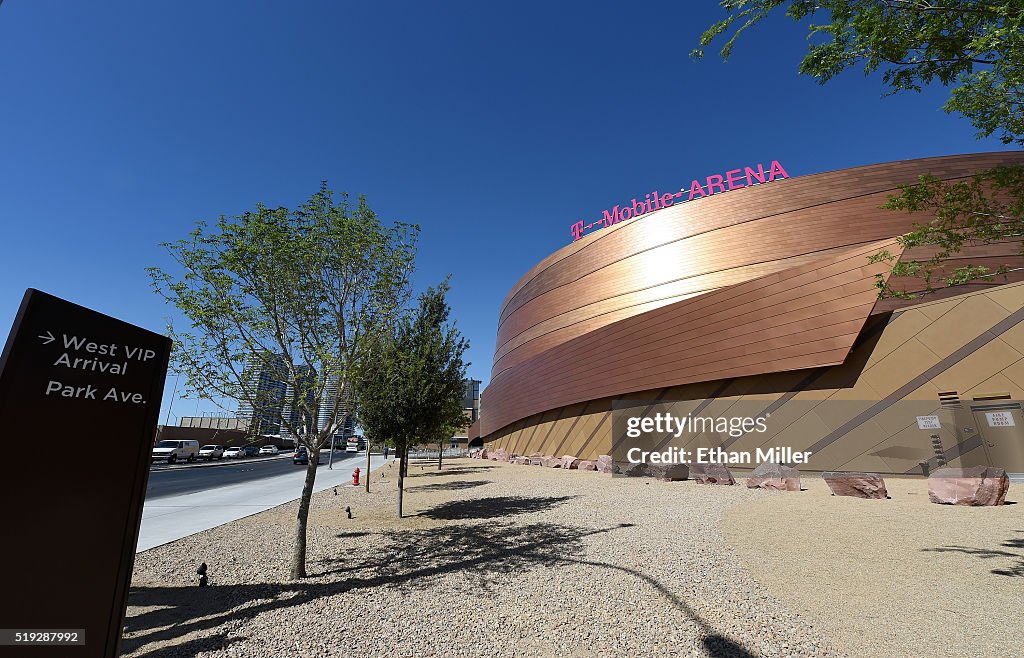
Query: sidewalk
point(173, 517)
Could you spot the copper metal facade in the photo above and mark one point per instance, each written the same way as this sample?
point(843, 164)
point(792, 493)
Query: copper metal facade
point(767, 279)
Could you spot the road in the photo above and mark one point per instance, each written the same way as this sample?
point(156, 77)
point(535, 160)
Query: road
point(183, 479)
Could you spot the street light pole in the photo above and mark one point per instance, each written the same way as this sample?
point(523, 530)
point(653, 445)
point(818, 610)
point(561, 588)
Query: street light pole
point(173, 393)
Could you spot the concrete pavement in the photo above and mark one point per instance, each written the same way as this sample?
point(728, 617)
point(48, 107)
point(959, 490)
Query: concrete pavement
point(173, 517)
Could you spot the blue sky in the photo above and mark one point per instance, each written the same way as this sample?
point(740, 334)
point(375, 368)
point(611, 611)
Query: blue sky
point(493, 127)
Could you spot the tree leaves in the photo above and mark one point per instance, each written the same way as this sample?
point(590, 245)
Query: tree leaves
point(974, 47)
point(412, 390)
point(293, 293)
point(987, 208)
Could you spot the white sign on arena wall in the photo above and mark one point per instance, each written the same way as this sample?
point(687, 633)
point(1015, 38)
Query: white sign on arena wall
point(928, 423)
point(1000, 419)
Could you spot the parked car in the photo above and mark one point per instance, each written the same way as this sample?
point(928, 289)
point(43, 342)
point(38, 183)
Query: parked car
point(211, 452)
point(234, 452)
point(250, 451)
point(269, 450)
point(173, 451)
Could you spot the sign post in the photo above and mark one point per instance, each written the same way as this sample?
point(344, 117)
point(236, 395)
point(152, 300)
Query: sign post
point(80, 397)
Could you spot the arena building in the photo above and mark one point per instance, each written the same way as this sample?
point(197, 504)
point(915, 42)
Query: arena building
point(763, 297)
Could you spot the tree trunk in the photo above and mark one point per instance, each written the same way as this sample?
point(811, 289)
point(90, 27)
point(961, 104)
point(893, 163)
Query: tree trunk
point(367, 465)
point(440, 451)
point(401, 478)
point(299, 551)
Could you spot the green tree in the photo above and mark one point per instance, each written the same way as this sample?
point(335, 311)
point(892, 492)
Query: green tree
point(410, 392)
point(973, 47)
point(987, 208)
point(456, 423)
point(298, 296)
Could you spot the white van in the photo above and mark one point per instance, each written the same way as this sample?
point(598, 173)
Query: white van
point(173, 451)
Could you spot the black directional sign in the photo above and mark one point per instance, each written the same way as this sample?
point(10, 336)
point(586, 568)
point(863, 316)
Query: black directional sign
point(80, 397)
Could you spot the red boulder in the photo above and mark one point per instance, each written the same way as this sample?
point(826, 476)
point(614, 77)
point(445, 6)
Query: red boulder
point(975, 486)
point(774, 476)
point(711, 474)
point(858, 485)
point(606, 464)
point(669, 472)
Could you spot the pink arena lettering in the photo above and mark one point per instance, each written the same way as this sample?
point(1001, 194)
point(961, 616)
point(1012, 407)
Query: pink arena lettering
point(733, 179)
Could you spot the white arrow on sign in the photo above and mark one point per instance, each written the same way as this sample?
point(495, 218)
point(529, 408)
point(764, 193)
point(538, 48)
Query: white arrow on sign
point(48, 338)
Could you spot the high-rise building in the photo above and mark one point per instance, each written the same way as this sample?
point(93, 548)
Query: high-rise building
point(264, 379)
point(472, 401)
point(345, 419)
point(306, 377)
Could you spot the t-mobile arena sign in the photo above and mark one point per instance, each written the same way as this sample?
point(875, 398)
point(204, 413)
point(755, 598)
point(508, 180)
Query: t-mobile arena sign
point(733, 179)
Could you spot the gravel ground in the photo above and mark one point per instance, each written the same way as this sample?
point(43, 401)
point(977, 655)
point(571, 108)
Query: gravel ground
point(904, 577)
point(504, 560)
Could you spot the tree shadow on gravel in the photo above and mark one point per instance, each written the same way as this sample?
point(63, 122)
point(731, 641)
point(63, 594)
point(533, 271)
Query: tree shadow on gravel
point(1016, 567)
point(493, 507)
point(461, 470)
point(456, 485)
point(402, 560)
point(715, 644)
point(409, 559)
point(217, 642)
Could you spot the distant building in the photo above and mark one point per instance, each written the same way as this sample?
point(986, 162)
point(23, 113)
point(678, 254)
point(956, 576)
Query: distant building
point(306, 376)
point(265, 376)
point(214, 422)
point(277, 400)
point(347, 427)
point(472, 400)
point(470, 409)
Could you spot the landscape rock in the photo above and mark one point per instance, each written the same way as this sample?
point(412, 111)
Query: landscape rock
point(774, 476)
point(974, 486)
point(711, 474)
point(669, 472)
point(552, 462)
point(606, 464)
point(499, 455)
point(587, 465)
point(522, 461)
point(536, 461)
point(856, 484)
point(568, 461)
point(482, 454)
point(634, 470)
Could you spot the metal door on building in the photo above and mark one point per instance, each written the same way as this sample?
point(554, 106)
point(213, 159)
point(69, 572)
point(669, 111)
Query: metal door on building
point(1001, 429)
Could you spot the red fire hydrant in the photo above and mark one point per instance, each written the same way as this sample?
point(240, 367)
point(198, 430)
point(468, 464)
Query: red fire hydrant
point(355, 477)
